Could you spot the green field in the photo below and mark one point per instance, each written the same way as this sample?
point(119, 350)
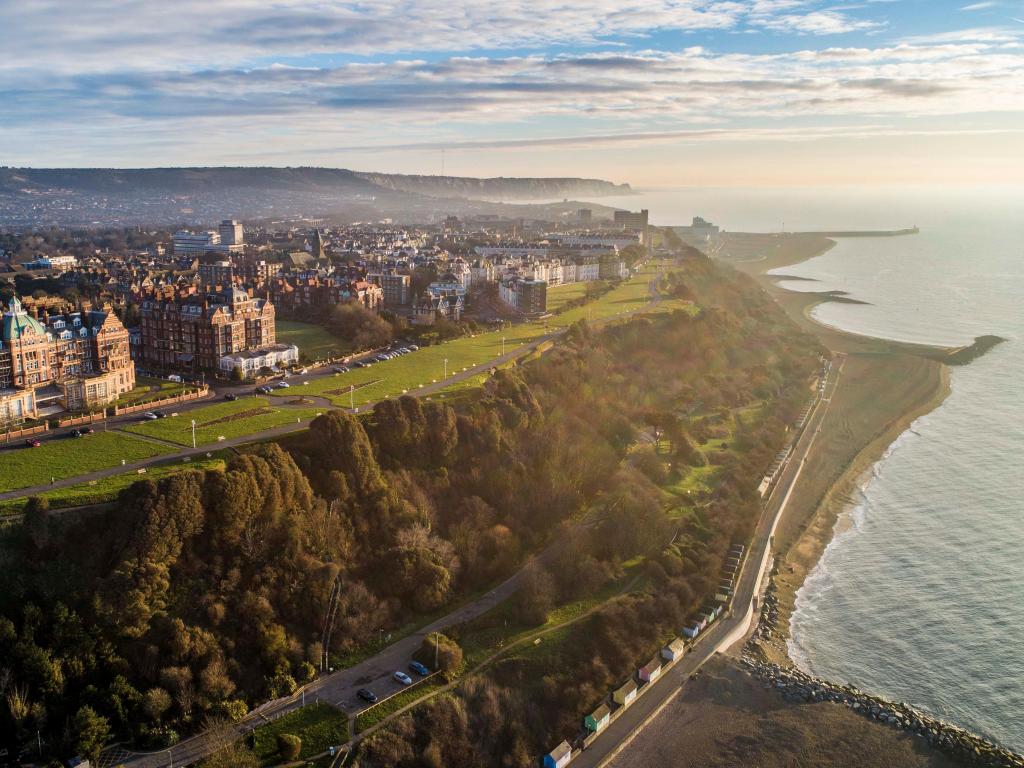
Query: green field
point(230, 419)
point(314, 341)
point(107, 488)
point(67, 457)
point(560, 295)
point(318, 725)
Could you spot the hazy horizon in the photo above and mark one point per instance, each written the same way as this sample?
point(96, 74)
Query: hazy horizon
point(669, 92)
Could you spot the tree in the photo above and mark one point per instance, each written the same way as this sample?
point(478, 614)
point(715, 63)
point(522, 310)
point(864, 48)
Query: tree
point(37, 519)
point(90, 732)
point(236, 373)
point(359, 325)
point(444, 650)
point(155, 702)
point(288, 746)
point(536, 595)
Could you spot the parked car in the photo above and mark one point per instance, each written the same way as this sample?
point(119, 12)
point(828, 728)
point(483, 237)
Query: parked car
point(230, 396)
point(161, 414)
point(403, 678)
point(418, 668)
point(283, 385)
point(367, 695)
point(341, 369)
point(76, 433)
point(32, 442)
point(413, 347)
point(149, 416)
point(358, 364)
point(86, 430)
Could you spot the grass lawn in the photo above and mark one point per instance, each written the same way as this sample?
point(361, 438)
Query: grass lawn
point(500, 627)
point(107, 488)
point(244, 416)
point(314, 341)
point(318, 725)
point(370, 717)
point(560, 295)
point(67, 457)
point(147, 389)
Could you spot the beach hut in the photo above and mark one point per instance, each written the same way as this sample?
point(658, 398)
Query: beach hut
point(559, 756)
point(674, 650)
point(649, 672)
point(692, 629)
point(597, 719)
point(723, 595)
point(625, 694)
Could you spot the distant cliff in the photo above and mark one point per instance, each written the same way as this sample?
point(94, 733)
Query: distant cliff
point(500, 188)
point(199, 196)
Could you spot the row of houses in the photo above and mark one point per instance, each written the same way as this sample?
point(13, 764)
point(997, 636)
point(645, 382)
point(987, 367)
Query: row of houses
point(626, 694)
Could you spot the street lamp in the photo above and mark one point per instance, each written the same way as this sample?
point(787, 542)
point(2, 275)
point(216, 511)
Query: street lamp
point(503, 346)
point(446, 367)
point(193, 433)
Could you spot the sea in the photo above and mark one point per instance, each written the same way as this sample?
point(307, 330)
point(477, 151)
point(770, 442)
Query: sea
point(920, 595)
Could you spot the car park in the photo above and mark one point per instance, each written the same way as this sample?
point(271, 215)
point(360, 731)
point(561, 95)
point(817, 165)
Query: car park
point(32, 442)
point(367, 695)
point(418, 668)
point(402, 678)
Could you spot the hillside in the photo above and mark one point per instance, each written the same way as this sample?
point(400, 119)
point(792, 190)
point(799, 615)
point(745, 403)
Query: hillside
point(501, 188)
point(86, 197)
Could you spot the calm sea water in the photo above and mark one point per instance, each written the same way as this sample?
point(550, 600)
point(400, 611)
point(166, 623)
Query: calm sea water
point(921, 597)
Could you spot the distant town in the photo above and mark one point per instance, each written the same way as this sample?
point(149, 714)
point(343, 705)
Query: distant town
point(199, 304)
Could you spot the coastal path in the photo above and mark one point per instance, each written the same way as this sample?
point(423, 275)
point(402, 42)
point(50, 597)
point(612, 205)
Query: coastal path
point(736, 624)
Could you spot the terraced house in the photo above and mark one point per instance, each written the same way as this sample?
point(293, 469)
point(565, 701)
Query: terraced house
point(58, 360)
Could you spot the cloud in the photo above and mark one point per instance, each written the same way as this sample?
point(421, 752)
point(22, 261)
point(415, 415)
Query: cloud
point(116, 77)
point(978, 6)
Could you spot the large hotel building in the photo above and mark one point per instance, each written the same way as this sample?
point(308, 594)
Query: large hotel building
point(76, 360)
point(194, 332)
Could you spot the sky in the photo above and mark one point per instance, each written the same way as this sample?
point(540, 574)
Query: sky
point(650, 92)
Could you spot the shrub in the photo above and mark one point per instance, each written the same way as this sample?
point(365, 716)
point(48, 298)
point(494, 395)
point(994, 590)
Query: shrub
point(288, 746)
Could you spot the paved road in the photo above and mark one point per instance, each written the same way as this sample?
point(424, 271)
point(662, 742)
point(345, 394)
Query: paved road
point(735, 625)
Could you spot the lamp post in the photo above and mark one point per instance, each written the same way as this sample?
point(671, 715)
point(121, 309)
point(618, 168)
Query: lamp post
point(502, 346)
point(446, 367)
point(352, 396)
point(193, 433)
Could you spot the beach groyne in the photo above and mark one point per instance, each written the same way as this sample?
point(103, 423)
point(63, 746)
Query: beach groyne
point(799, 687)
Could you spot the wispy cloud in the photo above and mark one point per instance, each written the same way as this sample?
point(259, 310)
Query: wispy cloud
point(978, 6)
